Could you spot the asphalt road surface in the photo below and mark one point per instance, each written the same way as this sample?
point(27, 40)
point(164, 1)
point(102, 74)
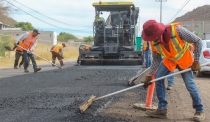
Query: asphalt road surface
point(54, 95)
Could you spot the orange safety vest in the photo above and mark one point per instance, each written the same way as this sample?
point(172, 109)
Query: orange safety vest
point(179, 51)
point(57, 48)
point(29, 41)
point(18, 48)
point(145, 45)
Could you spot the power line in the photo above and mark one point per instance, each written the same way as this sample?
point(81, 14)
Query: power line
point(153, 9)
point(185, 3)
point(48, 16)
point(45, 21)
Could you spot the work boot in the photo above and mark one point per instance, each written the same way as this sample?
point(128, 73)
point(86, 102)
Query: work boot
point(53, 63)
point(26, 70)
point(162, 114)
point(37, 69)
point(199, 116)
point(15, 67)
point(169, 87)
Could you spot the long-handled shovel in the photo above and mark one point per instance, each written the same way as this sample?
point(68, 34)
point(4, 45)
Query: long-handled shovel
point(40, 57)
point(93, 98)
point(131, 83)
point(9, 49)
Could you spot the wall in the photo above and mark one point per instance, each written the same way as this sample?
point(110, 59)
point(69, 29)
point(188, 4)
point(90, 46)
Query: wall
point(44, 36)
point(198, 27)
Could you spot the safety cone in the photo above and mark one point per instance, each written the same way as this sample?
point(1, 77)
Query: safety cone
point(148, 104)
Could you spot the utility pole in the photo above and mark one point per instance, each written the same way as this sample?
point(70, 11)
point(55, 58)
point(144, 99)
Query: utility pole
point(160, 8)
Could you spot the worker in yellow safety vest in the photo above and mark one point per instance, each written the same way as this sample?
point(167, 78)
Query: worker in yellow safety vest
point(172, 42)
point(57, 52)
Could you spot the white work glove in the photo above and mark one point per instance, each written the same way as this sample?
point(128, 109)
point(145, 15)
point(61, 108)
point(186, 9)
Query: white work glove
point(29, 51)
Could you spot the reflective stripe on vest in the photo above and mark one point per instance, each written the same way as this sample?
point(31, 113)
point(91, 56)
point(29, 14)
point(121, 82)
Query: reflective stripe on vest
point(176, 46)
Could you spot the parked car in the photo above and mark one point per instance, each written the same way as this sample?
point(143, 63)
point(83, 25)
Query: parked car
point(204, 58)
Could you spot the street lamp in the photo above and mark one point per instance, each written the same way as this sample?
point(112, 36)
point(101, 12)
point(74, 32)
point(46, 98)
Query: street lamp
point(160, 8)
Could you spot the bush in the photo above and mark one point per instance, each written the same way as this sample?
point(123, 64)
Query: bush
point(5, 40)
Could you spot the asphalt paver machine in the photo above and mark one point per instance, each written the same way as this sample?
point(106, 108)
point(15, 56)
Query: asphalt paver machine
point(115, 38)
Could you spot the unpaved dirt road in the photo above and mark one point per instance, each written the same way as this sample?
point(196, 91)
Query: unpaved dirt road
point(179, 109)
point(54, 95)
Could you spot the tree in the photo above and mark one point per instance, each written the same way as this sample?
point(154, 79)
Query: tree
point(5, 11)
point(64, 37)
point(25, 26)
point(88, 39)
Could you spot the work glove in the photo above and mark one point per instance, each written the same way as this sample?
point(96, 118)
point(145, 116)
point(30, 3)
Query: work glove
point(147, 80)
point(29, 51)
point(196, 66)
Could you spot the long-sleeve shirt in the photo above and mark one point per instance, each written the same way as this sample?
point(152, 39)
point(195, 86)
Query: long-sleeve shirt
point(185, 35)
point(24, 36)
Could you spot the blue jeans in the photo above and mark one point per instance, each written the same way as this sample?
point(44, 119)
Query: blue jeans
point(27, 57)
point(147, 58)
point(170, 80)
point(189, 83)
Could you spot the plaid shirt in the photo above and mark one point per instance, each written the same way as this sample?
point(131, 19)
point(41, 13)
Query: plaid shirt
point(186, 36)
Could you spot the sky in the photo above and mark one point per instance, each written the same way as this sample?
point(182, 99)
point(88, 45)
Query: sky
point(77, 16)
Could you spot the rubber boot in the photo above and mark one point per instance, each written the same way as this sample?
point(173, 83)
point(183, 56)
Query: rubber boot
point(61, 63)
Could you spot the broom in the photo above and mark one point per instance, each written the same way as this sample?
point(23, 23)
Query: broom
point(93, 98)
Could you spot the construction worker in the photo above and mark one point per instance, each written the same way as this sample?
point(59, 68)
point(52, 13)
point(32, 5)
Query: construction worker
point(146, 48)
point(18, 54)
point(57, 52)
point(172, 41)
point(29, 44)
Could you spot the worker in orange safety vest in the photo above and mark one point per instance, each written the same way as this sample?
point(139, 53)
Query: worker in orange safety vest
point(57, 52)
point(18, 54)
point(146, 48)
point(29, 44)
point(172, 42)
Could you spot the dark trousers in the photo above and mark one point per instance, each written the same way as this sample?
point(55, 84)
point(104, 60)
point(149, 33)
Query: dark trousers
point(58, 56)
point(18, 54)
point(26, 57)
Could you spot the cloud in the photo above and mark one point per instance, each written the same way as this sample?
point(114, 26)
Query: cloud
point(81, 12)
